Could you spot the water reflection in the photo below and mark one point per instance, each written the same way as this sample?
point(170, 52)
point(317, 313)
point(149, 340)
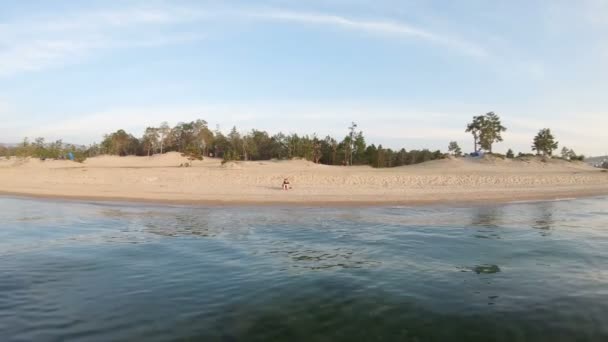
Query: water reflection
point(131, 273)
point(480, 269)
point(182, 225)
point(486, 269)
point(544, 218)
point(488, 217)
point(487, 222)
point(306, 258)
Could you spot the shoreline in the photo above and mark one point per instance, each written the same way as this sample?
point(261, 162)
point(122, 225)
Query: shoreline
point(561, 195)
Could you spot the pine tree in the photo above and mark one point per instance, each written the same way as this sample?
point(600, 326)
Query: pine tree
point(454, 149)
point(486, 130)
point(544, 142)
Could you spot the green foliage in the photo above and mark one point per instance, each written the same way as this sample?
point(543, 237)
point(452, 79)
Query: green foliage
point(454, 149)
point(569, 154)
point(544, 142)
point(580, 157)
point(43, 150)
point(195, 140)
point(150, 140)
point(5, 151)
point(486, 130)
point(192, 153)
point(380, 157)
point(525, 155)
point(121, 143)
point(510, 154)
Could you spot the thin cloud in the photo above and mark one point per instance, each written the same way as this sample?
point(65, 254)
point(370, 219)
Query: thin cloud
point(397, 29)
point(44, 42)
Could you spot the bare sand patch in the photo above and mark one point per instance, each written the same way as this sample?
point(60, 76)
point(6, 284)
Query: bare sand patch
point(160, 179)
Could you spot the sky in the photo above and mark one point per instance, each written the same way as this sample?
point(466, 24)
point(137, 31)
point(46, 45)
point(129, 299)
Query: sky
point(410, 73)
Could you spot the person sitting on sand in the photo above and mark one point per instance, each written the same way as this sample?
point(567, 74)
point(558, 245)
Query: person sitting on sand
point(286, 184)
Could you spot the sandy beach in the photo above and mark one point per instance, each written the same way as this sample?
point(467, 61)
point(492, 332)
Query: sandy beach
point(160, 178)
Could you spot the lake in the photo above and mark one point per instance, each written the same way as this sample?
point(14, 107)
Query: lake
point(73, 271)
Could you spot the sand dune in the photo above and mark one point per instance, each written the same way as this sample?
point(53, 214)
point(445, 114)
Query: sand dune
point(159, 178)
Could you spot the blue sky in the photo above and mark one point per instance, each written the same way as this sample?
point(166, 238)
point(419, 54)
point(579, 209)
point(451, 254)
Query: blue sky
point(411, 73)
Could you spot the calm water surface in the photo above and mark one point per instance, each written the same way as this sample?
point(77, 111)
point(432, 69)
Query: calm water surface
point(117, 272)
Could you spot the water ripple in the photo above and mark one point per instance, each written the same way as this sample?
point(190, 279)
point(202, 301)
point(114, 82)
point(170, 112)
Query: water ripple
point(113, 272)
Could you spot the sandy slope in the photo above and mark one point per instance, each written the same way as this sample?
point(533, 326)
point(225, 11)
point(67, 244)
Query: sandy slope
point(159, 178)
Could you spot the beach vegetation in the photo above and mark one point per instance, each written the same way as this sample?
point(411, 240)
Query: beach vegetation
point(569, 154)
point(196, 140)
point(544, 143)
point(486, 130)
point(454, 149)
point(39, 148)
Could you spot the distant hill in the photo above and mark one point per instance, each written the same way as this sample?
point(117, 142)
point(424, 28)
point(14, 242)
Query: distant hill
point(7, 145)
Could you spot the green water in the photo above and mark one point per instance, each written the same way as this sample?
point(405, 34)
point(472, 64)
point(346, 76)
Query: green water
point(115, 272)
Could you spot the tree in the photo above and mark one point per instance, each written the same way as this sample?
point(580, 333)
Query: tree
point(194, 140)
point(544, 142)
point(279, 146)
point(486, 130)
point(475, 128)
point(56, 149)
point(491, 131)
point(359, 149)
point(317, 152)
point(5, 151)
point(454, 149)
point(163, 132)
point(221, 145)
point(120, 143)
point(569, 154)
point(353, 143)
point(346, 146)
point(401, 158)
point(351, 139)
point(150, 140)
point(236, 143)
point(203, 136)
point(380, 157)
point(510, 154)
point(330, 150)
point(566, 153)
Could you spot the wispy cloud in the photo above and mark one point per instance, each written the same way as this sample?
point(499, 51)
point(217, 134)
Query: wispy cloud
point(385, 27)
point(42, 41)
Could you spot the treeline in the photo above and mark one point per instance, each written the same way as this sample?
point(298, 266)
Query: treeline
point(39, 148)
point(487, 129)
point(196, 140)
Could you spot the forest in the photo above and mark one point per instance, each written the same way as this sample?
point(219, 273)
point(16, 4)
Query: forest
point(196, 140)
